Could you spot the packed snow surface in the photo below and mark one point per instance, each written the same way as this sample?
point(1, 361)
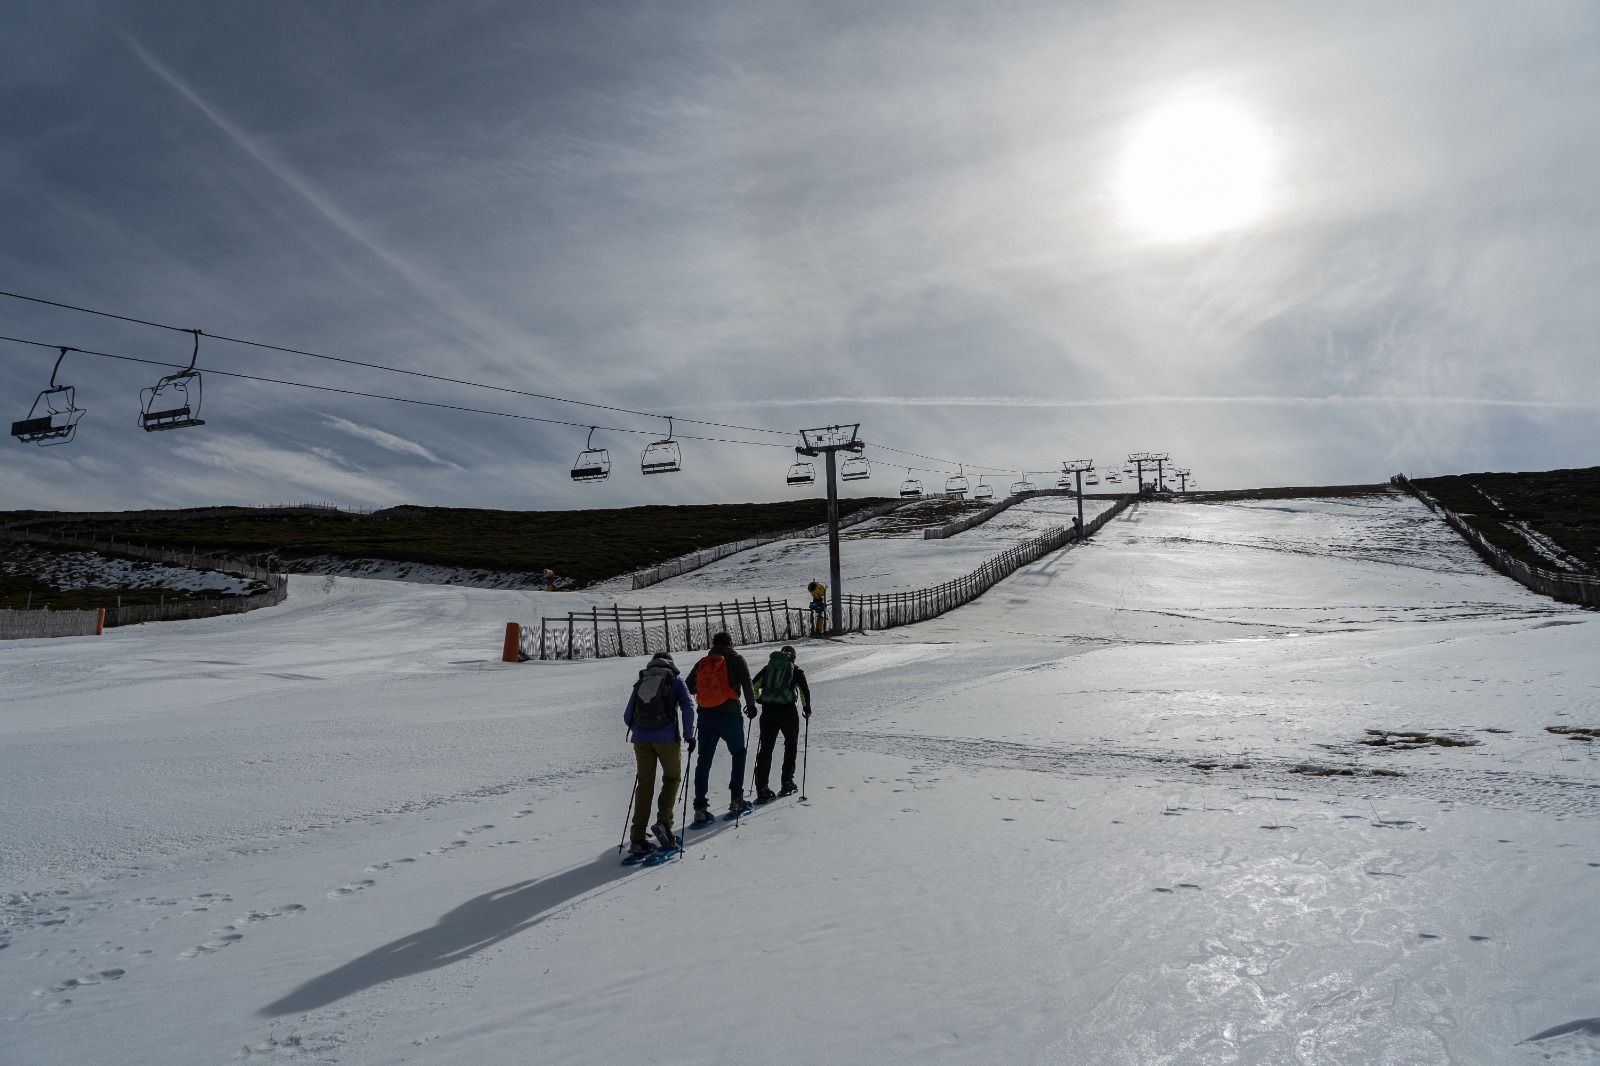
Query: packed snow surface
point(1130, 807)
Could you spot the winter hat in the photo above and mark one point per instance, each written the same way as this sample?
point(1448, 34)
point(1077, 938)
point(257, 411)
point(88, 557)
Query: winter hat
point(667, 655)
point(788, 649)
point(722, 640)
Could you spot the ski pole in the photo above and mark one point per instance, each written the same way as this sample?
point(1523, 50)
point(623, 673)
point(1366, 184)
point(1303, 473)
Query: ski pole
point(683, 783)
point(805, 756)
point(627, 818)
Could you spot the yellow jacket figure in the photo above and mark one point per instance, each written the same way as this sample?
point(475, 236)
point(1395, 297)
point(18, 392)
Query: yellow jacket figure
point(819, 608)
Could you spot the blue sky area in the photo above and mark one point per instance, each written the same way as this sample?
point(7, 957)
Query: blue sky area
point(1287, 243)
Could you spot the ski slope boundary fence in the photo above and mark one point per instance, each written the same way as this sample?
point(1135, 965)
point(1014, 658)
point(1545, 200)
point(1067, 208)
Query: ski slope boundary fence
point(276, 592)
point(885, 610)
point(601, 633)
point(1558, 584)
point(978, 518)
point(23, 625)
point(694, 561)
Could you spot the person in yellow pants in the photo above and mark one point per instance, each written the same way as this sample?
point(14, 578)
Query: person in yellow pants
point(659, 717)
point(819, 608)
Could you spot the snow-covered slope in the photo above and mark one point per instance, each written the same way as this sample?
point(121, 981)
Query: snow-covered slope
point(1117, 811)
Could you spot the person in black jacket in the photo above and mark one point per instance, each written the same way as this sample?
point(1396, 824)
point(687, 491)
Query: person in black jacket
point(780, 688)
point(717, 682)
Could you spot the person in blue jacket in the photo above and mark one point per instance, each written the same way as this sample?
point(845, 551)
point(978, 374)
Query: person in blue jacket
point(659, 716)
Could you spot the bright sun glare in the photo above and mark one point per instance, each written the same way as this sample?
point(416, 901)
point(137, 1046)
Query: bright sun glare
point(1194, 167)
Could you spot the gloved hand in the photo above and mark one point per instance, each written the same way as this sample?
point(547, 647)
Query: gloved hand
point(690, 742)
point(749, 712)
point(807, 712)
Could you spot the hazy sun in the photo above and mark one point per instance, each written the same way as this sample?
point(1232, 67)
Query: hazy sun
point(1194, 167)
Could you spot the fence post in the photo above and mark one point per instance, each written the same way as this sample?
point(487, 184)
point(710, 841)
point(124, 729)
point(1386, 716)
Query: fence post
point(594, 620)
point(616, 616)
point(541, 638)
point(755, 609)
point(644, 637)
point(569, 635)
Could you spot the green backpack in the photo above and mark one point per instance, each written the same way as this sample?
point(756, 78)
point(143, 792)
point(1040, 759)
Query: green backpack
point(777, 680)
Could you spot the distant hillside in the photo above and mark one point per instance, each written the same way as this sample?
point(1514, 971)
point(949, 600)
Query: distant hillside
point(1547, 518)
point(582, 546)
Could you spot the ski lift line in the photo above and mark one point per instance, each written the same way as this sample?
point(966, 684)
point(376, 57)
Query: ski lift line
point(392, 399)
point(400, 370)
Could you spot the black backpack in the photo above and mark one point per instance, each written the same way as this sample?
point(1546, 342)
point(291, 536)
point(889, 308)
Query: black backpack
point(653, 699)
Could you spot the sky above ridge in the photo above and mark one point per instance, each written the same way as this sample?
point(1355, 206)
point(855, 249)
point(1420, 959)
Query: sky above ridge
point(1283, 243)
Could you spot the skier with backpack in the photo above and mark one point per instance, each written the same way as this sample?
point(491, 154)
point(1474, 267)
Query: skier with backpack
point(656, 709)
point(717, 682)
point(781, 689)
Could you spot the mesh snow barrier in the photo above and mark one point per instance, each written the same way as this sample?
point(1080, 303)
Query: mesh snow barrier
point(1558, 584)
point(885, 610)
point(684, 564)
point(276, 592)
point(978, 518)
point(23, 625)
point(600, 633)
point(603, 633)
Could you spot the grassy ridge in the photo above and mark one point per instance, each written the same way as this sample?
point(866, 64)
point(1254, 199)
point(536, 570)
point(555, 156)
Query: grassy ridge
point(585, 546)
point(1564, 505)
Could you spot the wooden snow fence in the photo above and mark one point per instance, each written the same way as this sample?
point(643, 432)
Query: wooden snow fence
point(885, 610)
point(616, 631)
point(276, 592)
point(978, 518)
point(1563, 585)
point(601, 632)
point(694, 561)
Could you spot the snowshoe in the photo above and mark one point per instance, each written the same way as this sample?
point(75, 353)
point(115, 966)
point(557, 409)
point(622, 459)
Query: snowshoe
point(702, 816)
point(664, 835)
point(789, 788)
point(739, 805)
point(765, 795)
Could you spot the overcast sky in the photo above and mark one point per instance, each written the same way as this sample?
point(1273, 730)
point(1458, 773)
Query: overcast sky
point(1005, 235)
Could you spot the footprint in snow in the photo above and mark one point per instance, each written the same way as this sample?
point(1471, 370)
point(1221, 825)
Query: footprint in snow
point(375, 867)
point(222, 939)
point(446, 847)
point(352, 888)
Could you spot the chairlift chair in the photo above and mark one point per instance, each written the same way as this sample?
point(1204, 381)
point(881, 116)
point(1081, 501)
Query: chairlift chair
point(1113, 479)
point(662, 456)
point(1064, 481)
point(983, 491)
point(53, 418)
point(592, 464)
point(1091, 479)
point(855, 468)
point(956, 487)
point(1019, 487)
point(174, 401)
point(910, 488)
point(802, 472)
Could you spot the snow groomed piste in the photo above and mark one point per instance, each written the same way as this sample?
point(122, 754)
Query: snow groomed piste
point(1287, 781)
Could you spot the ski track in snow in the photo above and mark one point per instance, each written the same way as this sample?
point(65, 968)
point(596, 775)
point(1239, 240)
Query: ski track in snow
point(301, 835)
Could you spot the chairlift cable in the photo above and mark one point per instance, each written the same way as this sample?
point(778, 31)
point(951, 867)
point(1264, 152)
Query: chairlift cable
point(392, 399)
point(400, 370)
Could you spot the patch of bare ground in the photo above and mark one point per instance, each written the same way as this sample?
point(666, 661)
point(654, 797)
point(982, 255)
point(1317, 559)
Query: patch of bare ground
point(1574, 732)
point(1219, 766)
point(1317, 770)
point(1408, 739)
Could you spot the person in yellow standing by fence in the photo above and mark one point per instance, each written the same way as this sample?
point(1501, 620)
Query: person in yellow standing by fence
point(819, 608)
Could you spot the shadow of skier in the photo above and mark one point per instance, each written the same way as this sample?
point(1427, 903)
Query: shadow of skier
point(459, 934)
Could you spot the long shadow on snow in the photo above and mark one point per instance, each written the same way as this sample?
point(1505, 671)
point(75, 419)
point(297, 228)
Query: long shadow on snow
point(459, 934)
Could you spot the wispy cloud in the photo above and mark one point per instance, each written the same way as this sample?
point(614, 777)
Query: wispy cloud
point(258, 472)
point(383, 439)
point(1160, 401)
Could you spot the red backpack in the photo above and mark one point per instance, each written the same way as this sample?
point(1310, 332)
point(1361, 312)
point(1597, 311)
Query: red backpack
point(711, 687)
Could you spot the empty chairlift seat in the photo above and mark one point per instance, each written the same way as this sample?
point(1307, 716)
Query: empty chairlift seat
point(592, 464)
point(910, 488)
point(856, 468)
point(174, 401)
point(983, 491)
point(956, 487)
point(53, 418)
point(1019, 487)
point(802, 473)
point(662, 456)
